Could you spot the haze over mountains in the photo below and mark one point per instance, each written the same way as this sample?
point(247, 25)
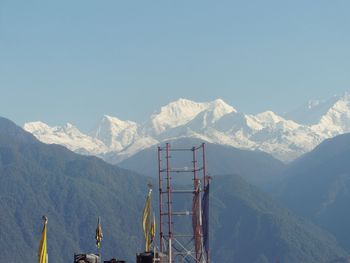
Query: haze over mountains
point(285, 137)
point(258, 168)
point(317, 186)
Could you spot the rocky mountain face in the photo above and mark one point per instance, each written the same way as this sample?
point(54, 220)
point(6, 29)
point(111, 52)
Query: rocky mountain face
point(285, 137)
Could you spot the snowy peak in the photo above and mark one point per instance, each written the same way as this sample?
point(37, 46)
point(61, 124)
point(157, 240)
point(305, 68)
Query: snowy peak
point(180, 111)
point(183, 111)
point(341, 105)
point(36, 127)
point(269, 117)
point(67, 135)
point(115, 133)
point(312, 112)
point(218, 109)
point(39, 127)
point(117, 122)
point(337, 118)
point(175, 114)
point(113, 125)
point(68, 128)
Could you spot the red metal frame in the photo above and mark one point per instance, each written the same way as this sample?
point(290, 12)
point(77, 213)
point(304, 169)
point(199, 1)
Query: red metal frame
point(166, 241)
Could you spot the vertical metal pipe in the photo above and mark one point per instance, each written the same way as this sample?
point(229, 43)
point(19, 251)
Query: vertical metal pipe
point(160, 201)
point(195, 190)
point(205, 187)
point(169, 204)
point(200, 218)
point(194, 167)
point(204, 168)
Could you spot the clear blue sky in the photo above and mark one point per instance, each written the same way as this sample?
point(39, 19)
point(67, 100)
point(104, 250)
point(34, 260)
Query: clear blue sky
point(75, 60)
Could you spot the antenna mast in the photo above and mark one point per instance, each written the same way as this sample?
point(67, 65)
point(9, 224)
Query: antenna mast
point(175, 186)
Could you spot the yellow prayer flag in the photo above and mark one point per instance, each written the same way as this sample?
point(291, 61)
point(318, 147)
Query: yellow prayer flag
point(153, 228)
point(42, 253)
point(99, 234)
point(146, 221)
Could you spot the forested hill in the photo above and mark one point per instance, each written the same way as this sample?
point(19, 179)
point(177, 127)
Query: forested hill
point(73, 190)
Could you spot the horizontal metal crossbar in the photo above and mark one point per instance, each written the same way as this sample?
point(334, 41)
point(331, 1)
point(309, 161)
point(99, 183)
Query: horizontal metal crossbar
point(180, 235)
point(183, 191)
point(180, 149)
point(182, 170)
point(184, 213)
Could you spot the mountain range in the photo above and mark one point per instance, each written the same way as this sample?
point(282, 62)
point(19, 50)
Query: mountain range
point(73, 190)
point(256, 167)
point(286, 136)
point(317, 187)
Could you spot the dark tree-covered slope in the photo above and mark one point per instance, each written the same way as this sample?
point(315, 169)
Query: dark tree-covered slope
point(251, 227)
point(73, 190)
point(317, 186)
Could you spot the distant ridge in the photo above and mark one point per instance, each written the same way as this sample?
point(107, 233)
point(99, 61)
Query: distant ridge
point(286, 138)
point(317, 186)
point(248, 220)
point(256, 167)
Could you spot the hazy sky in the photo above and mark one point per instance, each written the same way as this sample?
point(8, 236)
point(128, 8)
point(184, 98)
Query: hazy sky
point(76, 60)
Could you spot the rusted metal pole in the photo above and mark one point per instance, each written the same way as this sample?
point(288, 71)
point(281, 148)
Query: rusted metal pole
point(160, 201)
point(204, 168)
point(169, 204)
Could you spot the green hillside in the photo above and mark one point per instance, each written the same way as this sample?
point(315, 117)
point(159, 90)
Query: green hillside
point(251, 227)
point(73, 190)
point(317, 186)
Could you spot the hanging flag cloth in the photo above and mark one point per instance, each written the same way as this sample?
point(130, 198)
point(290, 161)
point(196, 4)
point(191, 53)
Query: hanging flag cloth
point(205, 219)
point(146, 222)
point(99, 234)
point(42, 253)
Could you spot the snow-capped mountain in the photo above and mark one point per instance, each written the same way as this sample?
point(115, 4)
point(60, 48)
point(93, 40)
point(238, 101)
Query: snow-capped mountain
point(67, 135)
point(337, 119)
point(312, 112)
point(217, 122)
point(182, 111)
point(115, 133)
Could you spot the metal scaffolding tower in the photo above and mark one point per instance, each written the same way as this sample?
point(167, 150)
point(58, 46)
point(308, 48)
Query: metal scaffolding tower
point(181, 228)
